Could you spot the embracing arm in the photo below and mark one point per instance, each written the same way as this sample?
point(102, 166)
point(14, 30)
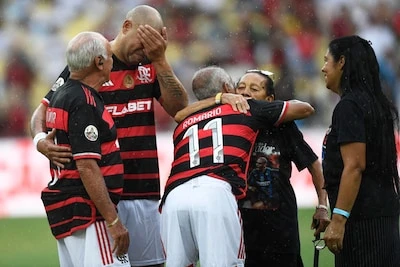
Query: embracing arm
point(297, 110)
point(59, 155)
point(354, 161)
point(238, 102)
point(38, 120)
point(95, 186)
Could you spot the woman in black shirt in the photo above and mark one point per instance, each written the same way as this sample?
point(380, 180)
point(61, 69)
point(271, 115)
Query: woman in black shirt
point(360, 159)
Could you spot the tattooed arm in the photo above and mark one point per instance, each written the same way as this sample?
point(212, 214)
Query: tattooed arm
point(173, 94)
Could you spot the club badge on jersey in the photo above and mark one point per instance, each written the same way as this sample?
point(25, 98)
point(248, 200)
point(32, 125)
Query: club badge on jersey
point(129, 82)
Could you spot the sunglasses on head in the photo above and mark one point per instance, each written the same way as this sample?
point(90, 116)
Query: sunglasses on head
point(262, 72)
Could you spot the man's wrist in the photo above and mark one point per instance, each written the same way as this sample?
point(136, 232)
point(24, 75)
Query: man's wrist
point(218, 98)
point(38, 137)
point(109, 225)
point(320, 206)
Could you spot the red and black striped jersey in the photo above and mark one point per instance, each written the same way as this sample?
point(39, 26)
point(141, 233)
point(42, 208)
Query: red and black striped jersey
point(217, 142)
point(129, 96)
point(82, 123)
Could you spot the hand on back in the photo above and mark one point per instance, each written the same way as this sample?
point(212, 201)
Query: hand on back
point(59, 155)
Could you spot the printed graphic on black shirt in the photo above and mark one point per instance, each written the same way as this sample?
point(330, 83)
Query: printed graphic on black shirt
point(324, 142)
point(262, 180)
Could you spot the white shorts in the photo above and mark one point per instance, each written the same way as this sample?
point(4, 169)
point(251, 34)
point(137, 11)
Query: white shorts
point(90, 247)
point(142, 219)
point(200, 220)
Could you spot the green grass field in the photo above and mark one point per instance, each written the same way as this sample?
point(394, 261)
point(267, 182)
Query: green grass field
point(28, 242)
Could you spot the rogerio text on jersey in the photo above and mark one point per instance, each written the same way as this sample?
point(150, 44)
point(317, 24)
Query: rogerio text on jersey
point(202, 116)
point(131, 107)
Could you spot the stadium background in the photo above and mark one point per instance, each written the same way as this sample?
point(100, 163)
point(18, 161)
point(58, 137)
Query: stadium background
point(288, 37)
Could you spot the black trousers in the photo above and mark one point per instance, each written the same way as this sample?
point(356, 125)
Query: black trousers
point(371, 243)
point(273, 260)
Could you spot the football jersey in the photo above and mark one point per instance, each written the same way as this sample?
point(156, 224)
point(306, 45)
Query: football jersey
point(82, 123)
point(217, 142)
point(129, 96)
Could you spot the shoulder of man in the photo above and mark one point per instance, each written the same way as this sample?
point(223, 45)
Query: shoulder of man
point(62, 78)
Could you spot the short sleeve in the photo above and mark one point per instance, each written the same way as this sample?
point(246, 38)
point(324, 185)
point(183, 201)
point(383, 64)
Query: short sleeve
point(84, 132)
point(348, 119)
point(267, 114)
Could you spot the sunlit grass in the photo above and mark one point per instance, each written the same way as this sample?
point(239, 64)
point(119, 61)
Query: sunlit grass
point(29, 242)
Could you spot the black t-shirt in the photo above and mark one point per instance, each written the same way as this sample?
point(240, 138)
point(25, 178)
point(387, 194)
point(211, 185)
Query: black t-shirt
point(351, 122)
point(275, 228)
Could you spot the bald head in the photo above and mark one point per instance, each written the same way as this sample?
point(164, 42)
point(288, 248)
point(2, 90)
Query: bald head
point(210, 81)
point(83, 48)
point(144, 14)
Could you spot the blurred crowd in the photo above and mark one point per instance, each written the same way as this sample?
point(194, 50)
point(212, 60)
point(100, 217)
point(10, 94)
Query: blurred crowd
point(287, 37)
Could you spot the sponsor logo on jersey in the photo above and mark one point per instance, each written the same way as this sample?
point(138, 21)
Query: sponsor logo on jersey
point(60, 81)
point(91, 133)
point(132, 107)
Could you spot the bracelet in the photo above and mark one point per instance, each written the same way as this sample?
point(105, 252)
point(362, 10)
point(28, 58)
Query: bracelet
point(113, 222)
point(322, 207)
point(341, 212)
point(38, 137)
point(218, 98)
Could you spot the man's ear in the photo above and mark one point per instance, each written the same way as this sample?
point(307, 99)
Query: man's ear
point(99, 62)
point(227, 88)
point(126, 26)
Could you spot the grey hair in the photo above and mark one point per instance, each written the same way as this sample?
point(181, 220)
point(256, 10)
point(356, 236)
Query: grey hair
point(209, 81)
point(84, 48)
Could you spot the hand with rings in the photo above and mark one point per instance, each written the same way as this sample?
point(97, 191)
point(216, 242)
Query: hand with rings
point(238, 102)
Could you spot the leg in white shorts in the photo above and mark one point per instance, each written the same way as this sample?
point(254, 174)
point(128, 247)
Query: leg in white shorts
point(142, 219)
point(200, 220)
point(90, 247)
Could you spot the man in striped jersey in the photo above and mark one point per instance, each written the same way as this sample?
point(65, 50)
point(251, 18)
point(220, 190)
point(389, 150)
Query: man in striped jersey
point(200, 217)
point(140, 74)
point(81, 198)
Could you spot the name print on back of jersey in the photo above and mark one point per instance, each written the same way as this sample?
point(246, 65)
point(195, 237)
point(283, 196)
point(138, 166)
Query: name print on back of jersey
point(200, 117)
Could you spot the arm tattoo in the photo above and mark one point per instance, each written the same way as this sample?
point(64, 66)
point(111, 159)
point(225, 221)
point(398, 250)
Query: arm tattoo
point(168, 81)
